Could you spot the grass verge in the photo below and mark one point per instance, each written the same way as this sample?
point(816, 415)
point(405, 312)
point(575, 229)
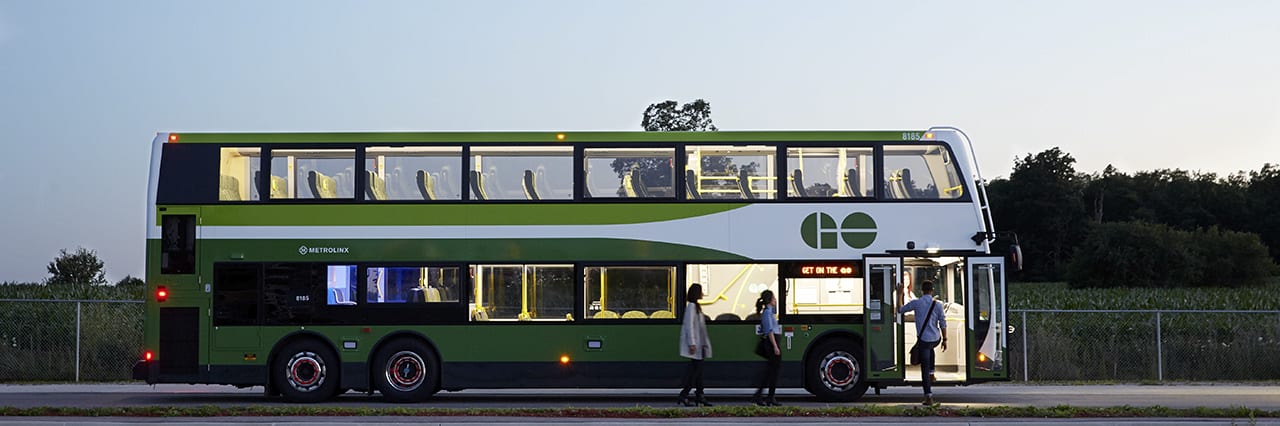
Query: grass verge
point(1062, 411)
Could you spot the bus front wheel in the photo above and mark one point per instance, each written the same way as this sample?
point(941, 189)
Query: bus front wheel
point(835, 371)
point(306, 371)
point(406, 371)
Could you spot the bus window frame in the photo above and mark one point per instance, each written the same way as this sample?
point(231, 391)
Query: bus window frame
point(358, 158)
point(580, 297)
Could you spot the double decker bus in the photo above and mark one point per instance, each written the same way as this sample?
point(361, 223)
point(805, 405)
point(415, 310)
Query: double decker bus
point(410, 263)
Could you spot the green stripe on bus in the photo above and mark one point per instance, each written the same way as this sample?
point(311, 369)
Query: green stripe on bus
point(544, 137)
point(523, 250)
point(453, 214)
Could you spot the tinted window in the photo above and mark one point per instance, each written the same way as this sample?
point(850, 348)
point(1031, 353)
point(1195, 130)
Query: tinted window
point(289, 292)
point(235, 294)
point(178, 244)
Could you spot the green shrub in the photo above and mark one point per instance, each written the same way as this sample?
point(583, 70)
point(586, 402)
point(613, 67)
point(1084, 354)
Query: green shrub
point(1137, 254)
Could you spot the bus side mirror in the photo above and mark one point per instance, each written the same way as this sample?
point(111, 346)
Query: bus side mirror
point(1015, 257)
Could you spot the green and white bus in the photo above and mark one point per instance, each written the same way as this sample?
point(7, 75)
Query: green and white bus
point(409, 263)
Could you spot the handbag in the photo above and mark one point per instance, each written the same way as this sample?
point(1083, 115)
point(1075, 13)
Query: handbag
point(916, 349)
point(763, 348)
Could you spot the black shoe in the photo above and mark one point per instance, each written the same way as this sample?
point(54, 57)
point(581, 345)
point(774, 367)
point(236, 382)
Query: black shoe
point(702, 401)
point(759, 401)
point(685, 401)
point(772, 402)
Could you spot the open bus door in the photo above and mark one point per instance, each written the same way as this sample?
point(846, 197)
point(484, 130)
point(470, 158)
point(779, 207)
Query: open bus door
point(987, 312)
point(882, 323)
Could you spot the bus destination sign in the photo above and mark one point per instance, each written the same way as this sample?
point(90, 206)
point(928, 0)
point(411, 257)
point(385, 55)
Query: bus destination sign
point(823, 270)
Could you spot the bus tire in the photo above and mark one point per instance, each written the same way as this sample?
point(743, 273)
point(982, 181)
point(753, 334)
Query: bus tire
point(835, 371)
point(306, 370)
point(406, 370)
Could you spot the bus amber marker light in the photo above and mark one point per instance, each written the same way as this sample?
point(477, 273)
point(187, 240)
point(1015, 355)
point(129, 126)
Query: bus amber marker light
point(559, 136)
point(564, 359)
point(173, 138)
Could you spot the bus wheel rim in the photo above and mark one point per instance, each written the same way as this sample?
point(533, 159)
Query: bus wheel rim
point(406, 371)
point(831, 379)
point(306, 371)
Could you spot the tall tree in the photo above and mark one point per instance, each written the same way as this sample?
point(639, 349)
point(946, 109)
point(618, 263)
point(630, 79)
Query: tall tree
point(669, 116)
point(79, 270)
point(1043, 202)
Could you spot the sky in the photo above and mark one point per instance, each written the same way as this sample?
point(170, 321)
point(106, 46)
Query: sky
point(86, 85)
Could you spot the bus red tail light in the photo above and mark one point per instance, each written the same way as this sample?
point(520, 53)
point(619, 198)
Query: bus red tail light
point(148, 355)
point(162, 294)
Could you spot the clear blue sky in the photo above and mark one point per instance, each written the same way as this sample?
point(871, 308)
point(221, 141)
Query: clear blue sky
point(85, 85)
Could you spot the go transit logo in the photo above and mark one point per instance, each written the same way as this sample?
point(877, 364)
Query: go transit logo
point(819, 230)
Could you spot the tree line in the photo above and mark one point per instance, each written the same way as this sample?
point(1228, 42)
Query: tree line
point(1165, 227)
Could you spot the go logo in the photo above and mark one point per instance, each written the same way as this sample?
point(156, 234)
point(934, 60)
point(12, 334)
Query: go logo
point(819, 230)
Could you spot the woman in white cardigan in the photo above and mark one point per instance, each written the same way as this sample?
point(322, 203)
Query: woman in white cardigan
point(695, 345)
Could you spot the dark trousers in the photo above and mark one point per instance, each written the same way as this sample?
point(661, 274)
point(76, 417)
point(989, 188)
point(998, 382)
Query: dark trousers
point(692, 378)
point(927, 358)
point(769, 377)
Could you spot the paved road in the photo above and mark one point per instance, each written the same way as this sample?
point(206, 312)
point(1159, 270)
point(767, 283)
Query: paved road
point(1266, 397)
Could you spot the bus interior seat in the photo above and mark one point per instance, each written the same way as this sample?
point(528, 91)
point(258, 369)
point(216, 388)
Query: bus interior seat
point(321, 186)
point(479, 314)
point(398, 185)
point(278, 187)
point(426, 185)
point(744, 184)
point(892, 185)
point(797, 183)
point(728, 316)
point(628, 185)
point(524, 316)
point(637, 182)
point(905, 183)
point(851, 183)
point(540, 178)
point(446, 184)
point(229, 188)
point(375, 188)
point(431, 294)
point(605, 314)
point(340, 298)
point(635, 315)
point(898, 181)
point(691, 185)
point(530, 186)
point(340, 186)
point(663, 314)
point(477, 185)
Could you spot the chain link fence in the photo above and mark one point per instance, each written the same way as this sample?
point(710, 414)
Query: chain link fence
point(65, 340)
point(1144, 345)
point(99, 340)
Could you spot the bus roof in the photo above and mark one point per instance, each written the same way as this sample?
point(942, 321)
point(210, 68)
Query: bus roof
point(543, 137)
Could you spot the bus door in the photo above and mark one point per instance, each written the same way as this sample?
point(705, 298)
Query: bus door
point(180, 304)
point(882, 323)
point(988, 343)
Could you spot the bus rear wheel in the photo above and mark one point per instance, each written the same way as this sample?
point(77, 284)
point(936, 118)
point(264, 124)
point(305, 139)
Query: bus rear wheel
point(835, 371)
point(406, 370)
point(306, 371)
